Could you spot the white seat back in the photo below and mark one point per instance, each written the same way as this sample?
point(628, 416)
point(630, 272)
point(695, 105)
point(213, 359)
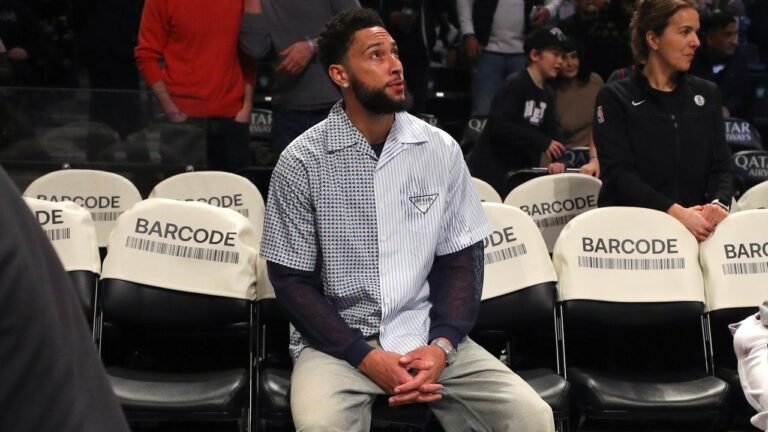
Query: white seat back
point(754, 198)
point(628, 254)
point(184, 246)
point(485, 191)
point(553, 200)
point(105, 195)
point(516, 256)
point(71, 231)
point(217, 188)
point(225, 190)
point(735, 261)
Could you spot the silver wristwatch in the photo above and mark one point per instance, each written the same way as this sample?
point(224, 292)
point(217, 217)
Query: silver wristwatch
point(450, 351)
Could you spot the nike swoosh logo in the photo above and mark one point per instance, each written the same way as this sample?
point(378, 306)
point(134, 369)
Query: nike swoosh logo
point(637, 103)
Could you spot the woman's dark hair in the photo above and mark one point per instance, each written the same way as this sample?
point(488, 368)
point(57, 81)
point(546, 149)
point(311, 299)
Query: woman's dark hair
point(653, 16)
point(572, 45)
point(337, 37)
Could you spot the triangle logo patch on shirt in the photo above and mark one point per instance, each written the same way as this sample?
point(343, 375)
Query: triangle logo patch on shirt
point(423, 202)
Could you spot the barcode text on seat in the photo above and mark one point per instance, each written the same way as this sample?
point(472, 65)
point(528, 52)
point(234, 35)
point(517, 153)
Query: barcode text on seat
point(507, 253)
point(631, 263)
point(191, 252)
point(57, 234)
point(745, 268)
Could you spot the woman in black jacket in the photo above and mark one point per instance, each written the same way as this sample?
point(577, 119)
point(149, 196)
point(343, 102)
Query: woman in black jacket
point(659, 133)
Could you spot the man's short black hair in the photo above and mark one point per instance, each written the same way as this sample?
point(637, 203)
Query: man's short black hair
point(717, 21)
point(337, 37)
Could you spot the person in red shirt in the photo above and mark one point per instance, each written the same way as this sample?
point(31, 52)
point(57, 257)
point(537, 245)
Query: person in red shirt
point(203, 74)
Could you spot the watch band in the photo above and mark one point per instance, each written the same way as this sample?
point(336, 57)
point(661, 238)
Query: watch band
point(450, 351)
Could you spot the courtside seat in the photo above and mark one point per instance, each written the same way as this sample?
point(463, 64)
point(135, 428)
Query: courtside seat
point(71, 231)
point(105, 195)
point(553, 200)
point(631, 304)
point(754, 198)
point(472, 133)
point(749, 169)
point(518, 304)
point(485, 191)
point(225, 190)
point(178, 286)
point(736, 280)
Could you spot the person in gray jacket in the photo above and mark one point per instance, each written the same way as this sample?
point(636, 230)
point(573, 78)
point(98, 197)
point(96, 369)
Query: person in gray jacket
point(302, 94)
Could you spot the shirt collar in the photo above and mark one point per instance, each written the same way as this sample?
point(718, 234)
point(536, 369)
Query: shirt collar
point(342, 133)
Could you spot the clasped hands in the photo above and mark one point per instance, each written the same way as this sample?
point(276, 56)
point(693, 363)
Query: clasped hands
point(409, 378)
point(700, 220)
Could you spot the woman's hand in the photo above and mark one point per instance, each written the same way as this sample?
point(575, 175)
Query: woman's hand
point(693, 219)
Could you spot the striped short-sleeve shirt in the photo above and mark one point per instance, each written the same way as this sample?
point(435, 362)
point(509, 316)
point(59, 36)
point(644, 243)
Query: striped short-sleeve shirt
point(373, 224)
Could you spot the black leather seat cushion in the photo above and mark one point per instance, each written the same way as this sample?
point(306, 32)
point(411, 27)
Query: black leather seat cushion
point(553, 388)
point(637, 396)
point(223, 391)
point(275, 391)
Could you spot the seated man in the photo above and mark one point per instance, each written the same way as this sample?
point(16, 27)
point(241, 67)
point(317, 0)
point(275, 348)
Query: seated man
point(720, 60)
point(373, 237)
point(523, 121)
point(750, 341)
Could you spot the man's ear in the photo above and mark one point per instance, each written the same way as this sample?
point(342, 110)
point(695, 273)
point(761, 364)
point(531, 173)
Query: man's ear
point(338, 75)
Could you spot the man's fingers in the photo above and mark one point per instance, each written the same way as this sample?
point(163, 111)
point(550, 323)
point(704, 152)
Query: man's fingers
point(430, 388)
point(417, 381)
point(419, 364)
point(403, 399)
point(414, 397)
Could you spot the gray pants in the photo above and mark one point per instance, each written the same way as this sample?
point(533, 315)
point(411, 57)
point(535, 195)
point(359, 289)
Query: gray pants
point(480, 394)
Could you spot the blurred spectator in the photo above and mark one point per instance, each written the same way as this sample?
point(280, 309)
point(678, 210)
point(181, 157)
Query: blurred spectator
point(576, 90)
point(493, 32)
point(411, 24)
point(303, 93)
point(602, 28)
point(523, 122)
point(20, 32)
point(6, 75)
point(52, 378)
point(106, 34)
point(721, 60)
point(758, 31)
point(203, 74)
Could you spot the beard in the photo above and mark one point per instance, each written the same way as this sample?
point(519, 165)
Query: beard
point(377, 101)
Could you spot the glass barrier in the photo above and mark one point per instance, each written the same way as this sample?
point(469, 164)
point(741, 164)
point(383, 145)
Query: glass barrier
point(126, 132)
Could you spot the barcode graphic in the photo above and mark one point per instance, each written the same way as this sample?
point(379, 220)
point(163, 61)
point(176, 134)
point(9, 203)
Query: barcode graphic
point(105, 216)
point(243, 212)
point(553, 221)
point(191, 252)
point(632, 263)
point(745, 268)
point(513, 251)
point(57, 234)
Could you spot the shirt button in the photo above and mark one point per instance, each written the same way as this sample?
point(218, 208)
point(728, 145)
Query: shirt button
point(381, 328)
point(383, 238)
point(383, 272)
point(381, 206)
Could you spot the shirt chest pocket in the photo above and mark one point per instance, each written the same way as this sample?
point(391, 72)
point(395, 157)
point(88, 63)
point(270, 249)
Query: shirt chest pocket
point(423, 210)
